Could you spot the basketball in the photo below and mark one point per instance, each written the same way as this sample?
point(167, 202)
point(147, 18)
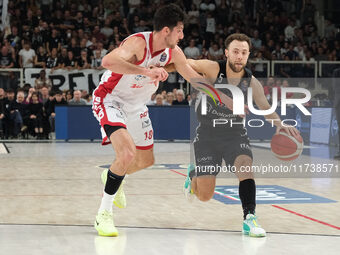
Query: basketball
point(285, 146)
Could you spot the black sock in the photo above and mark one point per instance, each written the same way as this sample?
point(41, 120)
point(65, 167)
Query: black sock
point(247, 193)
point(113, 182)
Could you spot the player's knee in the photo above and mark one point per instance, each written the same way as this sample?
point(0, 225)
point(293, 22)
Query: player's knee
point(205, 196)
point(125, 157)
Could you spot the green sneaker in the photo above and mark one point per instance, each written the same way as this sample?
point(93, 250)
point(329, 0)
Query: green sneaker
point(104, 224)
point(188, 192)
point(252, 228)
point(120, 200)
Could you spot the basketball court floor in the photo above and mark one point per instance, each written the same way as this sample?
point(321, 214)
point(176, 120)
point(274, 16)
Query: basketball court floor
point(50, 194)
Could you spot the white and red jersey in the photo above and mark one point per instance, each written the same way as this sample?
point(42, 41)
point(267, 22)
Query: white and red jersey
point(131, 91)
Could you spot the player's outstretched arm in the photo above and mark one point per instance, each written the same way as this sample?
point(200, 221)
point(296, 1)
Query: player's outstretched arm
point(263, 104)
point(184, 68)
point(121, 60)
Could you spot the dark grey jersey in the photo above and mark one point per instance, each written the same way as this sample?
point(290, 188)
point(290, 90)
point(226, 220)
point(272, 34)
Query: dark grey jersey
point(220, 111)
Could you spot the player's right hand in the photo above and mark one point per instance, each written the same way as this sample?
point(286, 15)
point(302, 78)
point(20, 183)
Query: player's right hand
point(157, 73)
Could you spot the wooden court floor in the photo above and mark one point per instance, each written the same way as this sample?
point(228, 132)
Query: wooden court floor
point(50, 193)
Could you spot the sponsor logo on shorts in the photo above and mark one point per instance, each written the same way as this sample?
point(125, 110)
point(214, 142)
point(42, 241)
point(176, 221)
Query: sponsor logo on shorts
point(244, 146)
point(146, 123)
point(204, 159)
point(144, 114)
point(163, 57)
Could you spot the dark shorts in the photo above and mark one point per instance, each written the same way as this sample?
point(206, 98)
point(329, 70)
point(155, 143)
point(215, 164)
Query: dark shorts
point(210, 153)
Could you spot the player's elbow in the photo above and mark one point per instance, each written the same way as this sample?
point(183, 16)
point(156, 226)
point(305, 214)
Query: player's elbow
point(106, 62)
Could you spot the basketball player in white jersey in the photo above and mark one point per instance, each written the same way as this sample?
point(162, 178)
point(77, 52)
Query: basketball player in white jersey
point(134, 70)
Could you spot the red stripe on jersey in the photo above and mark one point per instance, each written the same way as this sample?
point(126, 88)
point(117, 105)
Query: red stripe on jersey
point(153, 54)
point(145, 51)
point(107, 87)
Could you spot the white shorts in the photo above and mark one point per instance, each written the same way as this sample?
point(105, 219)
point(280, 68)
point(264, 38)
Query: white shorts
point(137, 123)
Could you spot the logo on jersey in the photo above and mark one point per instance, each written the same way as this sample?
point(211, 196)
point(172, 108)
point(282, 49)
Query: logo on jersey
point(135, 86)
point(163, 57)
point(139, 77)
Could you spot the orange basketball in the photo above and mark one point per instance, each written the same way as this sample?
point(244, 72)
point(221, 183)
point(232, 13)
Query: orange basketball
point(285, 146)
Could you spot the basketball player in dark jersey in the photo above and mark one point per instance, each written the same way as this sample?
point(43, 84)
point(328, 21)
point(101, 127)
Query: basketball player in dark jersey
point(230, 143)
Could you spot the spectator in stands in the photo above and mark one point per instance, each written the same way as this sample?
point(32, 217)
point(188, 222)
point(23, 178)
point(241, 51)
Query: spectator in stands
point(286, 69)
point(41, 58)
point(28, 99)
point(77, 100)
point(289, 30)
point(215, 52)
point(100, 47)
point(84, 93)
point(14, 38)
point(192, 51)
point(259, 70)
point(159, 100)
point(37, 39)
point(35, 113)
point(26, 56)
point(58, 100)
point(71, 63)
point(53, 42)
point(106, 29)
point(300, 51)
point(84, 60)
point(320, 56)
point(42, 81)
point(88, 99)
point(98, 35)
point(69, 95)
point(329, 29)
point(256, 42)
point(152, 100)
point(97, 61)
point(169, 99)
point(62, 58)
point(277, 52)
point(18, 114)
point(210, 29)
point(180, 98)
point(291, 53)
point(52, 61)
point(6, 60)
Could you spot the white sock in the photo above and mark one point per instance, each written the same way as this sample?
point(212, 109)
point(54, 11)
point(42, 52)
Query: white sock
point(107, 202)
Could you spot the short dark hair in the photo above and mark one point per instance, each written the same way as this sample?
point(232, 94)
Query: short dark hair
point(237, 37)
point(167, 16)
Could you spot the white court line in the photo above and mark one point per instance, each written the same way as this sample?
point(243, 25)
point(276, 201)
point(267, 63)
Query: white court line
point(3, 149)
